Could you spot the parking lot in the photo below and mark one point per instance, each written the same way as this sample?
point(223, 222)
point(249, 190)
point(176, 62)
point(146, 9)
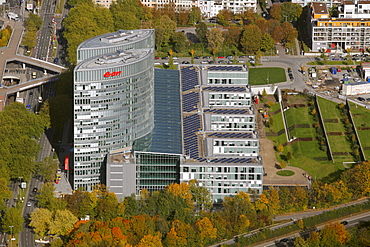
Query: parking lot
point(207, 60)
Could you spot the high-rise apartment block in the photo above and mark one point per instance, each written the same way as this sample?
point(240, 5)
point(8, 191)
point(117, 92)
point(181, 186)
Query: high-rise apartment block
point(350, 31)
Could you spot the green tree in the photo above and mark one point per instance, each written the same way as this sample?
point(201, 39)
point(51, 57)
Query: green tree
point(84, 21)
point(40, 220)
point(164, 30)
point(215, 40)
point(201, 196)
point(291, 11)
point(267, 43)
point(251, 39)
point(47, 168)
point(12, 217)
point(232, 36)
point(63, 221)
point(46, 198)
point(289, 156)
point(5, 192)
point(195, 15)
point(33, 22)
point(179, 42)
point(201, 32)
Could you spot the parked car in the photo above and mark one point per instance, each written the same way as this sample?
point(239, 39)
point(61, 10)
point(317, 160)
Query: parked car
point(241, 56)
point(229, 57)
point(291, 77)
point(29, 204)
point(221, 57)
point(206, 57)
point(344, 222)
point(35, 190)
point(361, 99)
point(197, 57)
point(212, 62)
point(156, 58)
point(164, 57)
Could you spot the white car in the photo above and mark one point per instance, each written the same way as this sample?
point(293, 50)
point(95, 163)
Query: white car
point(29, 204)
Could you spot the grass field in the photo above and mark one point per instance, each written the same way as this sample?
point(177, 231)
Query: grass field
point(361, 117)
point(300, 116)
point(329, 110)
point(277, 125)
point(262, 76)
point(285, 173)
point(348, 62)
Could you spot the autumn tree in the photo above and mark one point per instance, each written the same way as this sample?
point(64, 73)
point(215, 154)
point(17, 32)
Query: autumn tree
point(280, 148)
point(267, 43)
point(238, 210)
point(225, 16)
point(150, 241)
point(283, 164)
point(232, 36)
point(356, 179)
point(63, 221)
point(251, 39)
point(276, 12)
point(205, 230)
point(40, 220)
point(215, 40)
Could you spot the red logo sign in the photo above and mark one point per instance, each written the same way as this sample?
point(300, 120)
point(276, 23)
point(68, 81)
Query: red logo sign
point(109, 74)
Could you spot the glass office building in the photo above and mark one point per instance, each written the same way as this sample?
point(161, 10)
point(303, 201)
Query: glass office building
point(111, 42)
point(113, 107)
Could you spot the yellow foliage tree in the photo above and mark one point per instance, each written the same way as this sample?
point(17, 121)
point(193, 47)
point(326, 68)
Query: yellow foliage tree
point(206, 231)
point(182, 190)
point(150, 241)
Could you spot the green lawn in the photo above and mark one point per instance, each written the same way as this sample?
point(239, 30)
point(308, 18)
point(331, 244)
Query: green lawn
point(361, 117)
point(300, 116)
point(329, 110)
point(285, 173)
point(277, 125)
point(348, 62)
point(262, 76)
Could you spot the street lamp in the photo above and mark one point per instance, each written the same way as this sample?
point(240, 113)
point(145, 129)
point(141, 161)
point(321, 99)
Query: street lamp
point(11, 235)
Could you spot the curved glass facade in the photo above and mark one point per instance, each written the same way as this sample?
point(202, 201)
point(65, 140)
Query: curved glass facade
point(111, 42)
point(113, 107)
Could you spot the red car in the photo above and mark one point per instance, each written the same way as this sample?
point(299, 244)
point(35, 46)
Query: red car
point(221, 57)
point(156, 58)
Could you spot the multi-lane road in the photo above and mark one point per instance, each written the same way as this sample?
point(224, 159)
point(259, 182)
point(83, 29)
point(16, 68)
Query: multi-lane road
point(44, 49)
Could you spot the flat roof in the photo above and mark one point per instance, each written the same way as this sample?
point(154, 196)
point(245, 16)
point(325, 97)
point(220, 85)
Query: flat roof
point(116, 38)
point(114, 59)
point(344, 19)
point(194, 136)
point(356, 83)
